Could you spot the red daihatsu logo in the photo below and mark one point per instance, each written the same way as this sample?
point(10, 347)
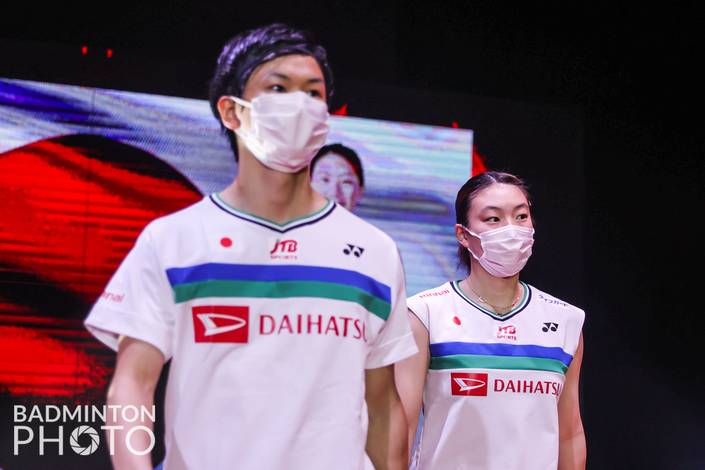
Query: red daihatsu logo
point(220, 324)
point(468, 384)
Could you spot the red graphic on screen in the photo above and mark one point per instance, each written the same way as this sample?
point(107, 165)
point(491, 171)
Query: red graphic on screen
point(478, 162)
point(72, 209)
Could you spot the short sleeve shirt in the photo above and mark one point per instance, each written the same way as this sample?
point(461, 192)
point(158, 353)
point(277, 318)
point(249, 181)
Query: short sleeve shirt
point(269, 329)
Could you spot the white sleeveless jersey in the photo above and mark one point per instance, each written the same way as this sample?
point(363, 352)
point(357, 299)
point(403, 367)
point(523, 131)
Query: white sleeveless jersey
point(493, 384)
point(269, 329)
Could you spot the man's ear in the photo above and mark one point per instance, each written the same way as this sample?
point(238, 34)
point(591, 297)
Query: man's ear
point(228, 114)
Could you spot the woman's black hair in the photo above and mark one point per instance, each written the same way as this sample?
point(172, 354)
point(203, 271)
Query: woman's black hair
point(242, 54)
point(467, 193)
point(347, 153)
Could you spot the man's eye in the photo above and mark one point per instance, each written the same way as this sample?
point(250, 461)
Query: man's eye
point(492, 219)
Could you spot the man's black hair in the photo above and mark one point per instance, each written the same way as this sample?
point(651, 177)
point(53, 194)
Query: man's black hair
point(347, 153)
point(242, 54)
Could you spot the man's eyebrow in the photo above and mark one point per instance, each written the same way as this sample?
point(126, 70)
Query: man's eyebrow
point(284, 76)
point(279, 75)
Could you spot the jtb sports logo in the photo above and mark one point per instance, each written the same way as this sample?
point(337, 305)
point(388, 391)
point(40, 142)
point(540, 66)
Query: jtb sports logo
point(284, 249)
point(284, 246)
point(220, 324)
point(468, 384)
point(507, 332)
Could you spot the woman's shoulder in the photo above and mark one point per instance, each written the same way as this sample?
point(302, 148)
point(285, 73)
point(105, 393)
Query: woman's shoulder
point(433, 293)
point(426, 302)
point(552, 302)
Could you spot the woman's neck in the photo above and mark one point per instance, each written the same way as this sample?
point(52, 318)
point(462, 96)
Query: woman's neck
point(501, 294)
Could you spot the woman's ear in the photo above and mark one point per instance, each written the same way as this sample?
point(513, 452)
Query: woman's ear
point(228, 113)
point(462, 235)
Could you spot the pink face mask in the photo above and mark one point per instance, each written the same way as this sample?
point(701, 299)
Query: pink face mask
point(505, 250)
point(287, 129)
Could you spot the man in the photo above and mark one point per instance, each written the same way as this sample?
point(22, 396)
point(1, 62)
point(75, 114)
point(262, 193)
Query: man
point(281, 313)
point(336, 173)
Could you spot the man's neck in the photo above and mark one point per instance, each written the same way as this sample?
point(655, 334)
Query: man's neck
point(272, 195)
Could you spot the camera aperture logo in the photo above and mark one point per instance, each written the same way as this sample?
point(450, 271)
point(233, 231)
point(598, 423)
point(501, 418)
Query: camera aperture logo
point(47, 429)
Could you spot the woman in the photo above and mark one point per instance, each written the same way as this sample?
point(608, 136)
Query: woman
point(499, 362)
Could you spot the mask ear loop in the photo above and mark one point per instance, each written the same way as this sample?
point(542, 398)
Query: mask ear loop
point(471, 233)
point(241, 102)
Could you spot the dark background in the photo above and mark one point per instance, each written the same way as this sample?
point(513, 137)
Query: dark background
point(631, 75)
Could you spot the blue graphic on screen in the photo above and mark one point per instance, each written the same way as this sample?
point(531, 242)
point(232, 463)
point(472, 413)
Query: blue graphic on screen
point(412, 172)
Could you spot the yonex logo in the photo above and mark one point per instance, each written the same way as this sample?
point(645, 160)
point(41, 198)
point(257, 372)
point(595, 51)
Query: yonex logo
point(549, 326)
point(353, 249)
point(468, 384)
point(220, 324)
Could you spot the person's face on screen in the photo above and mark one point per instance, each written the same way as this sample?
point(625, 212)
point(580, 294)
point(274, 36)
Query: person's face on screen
point(284, 74)
point(494, 207)
point(335, 178)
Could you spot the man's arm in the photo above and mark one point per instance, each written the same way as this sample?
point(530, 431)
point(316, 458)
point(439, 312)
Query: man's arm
point(136, 374)
point(572, 453)
point(410, 375)
point(386, 435)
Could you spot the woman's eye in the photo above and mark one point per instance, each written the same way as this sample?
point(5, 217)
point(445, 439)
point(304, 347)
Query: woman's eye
point(522, 217)
point(277, 88)
point(492, 219)
point(314, 93)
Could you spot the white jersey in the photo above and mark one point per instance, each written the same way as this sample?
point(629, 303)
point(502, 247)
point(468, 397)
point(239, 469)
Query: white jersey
point(493, 384)
point(269, 329)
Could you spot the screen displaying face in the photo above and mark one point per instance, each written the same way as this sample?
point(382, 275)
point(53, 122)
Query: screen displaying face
point(336, 178)
point(83, 170)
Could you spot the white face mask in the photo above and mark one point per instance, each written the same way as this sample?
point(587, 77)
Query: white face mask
point(286, 129)
point(505, 250)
